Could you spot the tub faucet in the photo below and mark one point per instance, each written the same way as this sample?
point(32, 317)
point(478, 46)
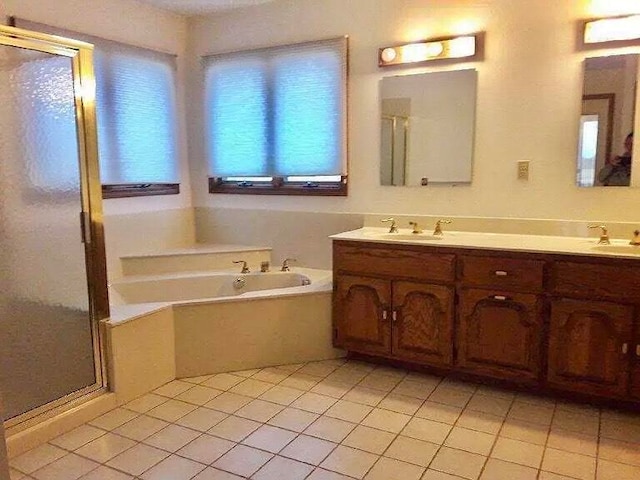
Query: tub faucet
point(393, 228)
point(604, 234)
point(438, 229)
point(245, 269)
point(636, 238)
point(285, 264)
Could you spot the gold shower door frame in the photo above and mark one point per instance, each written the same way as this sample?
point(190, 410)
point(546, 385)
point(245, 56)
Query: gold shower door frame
point(90, 218)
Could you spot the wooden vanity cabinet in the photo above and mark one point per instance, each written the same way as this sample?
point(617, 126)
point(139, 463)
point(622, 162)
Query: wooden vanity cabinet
point(554, 321)
point(500, 328)
point(394, 310)
point(591, 326)
point(634, 388)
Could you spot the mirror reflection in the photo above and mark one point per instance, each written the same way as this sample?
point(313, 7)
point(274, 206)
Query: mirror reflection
point(605, 146)
point(427, 128)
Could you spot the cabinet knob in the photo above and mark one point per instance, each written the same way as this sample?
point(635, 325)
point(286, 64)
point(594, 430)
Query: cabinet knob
point(501, 273)
point(394, 316)
point(384, 314)
point(625, 348)
point(637, 350)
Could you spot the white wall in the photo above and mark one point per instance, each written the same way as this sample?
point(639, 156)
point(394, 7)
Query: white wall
point(529, 90)
point(131, 224)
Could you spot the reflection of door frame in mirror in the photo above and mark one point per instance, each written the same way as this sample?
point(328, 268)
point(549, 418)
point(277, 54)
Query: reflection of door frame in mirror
point(398, 162)
point(90, 219)
point(610, 99)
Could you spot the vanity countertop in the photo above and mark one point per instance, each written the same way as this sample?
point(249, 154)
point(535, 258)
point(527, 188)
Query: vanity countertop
point(496, 241)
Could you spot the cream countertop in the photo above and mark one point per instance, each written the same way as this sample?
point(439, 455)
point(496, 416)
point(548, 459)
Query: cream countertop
point(619, 248)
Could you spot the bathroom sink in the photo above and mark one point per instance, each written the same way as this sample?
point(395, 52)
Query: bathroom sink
point(419, 237)
point(620, 249)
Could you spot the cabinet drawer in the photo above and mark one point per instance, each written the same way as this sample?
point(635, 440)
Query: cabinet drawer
point(595, 280)
point(397, 263)
point(509, 273)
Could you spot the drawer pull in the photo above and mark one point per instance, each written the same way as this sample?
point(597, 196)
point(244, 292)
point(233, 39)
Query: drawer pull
point(637, 350)
point(501, 298)
point(384, 314)
point(625, 348)
point(394, 316)
point(501, 273)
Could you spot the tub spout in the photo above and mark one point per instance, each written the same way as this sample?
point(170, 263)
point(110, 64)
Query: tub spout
point(245, 269)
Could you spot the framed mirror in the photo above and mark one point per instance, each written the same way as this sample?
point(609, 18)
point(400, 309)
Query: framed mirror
point(605, 145)
point(427, 128)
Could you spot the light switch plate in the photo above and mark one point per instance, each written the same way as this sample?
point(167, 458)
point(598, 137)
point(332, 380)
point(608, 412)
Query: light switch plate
point(523, 170)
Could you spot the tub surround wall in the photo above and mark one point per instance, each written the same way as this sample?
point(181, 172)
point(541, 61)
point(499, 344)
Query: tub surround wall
point(145, 232)
point(291, 234)
point(141, 354)
point(210, 337)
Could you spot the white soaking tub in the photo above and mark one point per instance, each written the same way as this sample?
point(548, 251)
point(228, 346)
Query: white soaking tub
point(194, 286)
point(218, 322)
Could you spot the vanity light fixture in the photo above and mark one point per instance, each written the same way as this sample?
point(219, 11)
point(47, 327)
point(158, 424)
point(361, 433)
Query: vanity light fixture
point(614, 29)
point(447, 48)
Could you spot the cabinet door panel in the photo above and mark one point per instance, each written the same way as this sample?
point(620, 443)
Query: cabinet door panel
point(500, 334)
point(586, 351)
point(360, 307)
point(423, 322)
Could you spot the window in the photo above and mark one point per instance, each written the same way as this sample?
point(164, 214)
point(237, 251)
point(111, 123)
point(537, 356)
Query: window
point(136, 116)
point(276, 119)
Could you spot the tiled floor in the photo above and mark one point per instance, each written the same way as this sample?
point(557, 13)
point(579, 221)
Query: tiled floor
point(336, 420)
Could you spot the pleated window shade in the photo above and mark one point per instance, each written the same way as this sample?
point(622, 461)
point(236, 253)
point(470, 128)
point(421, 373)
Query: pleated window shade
point(135, 108)
point(277, 111)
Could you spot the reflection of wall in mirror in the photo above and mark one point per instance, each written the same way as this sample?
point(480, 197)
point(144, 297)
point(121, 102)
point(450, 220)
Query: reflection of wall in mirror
point(442, 122)
point(395, 131)
point(615, 75)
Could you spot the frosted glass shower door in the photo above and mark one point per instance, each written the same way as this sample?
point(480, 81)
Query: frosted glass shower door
point(48, 337)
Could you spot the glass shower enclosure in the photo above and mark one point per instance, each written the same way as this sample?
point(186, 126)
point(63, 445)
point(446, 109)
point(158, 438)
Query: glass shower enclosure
point(52, 261)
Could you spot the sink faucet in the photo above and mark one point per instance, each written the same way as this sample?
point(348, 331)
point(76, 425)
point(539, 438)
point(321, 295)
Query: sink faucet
point(245, 269)
point(415, 227)
point(285, 264)
point(636, 238)
point(604, 234)
point(393, 228)
point(438, 228)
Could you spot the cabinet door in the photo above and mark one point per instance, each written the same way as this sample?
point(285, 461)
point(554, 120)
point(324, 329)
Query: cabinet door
point(589, 343)
point(635, 369)
point(500, 334)
point(422, 322)
point(361, 314)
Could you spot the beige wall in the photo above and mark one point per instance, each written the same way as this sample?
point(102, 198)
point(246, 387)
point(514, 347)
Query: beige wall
point(528, 106)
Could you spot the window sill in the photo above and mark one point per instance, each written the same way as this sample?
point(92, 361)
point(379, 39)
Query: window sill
point(278, 187)
point(139, 190)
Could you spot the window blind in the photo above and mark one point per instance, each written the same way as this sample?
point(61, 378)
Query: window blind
point(277, 111)
point(135, 109)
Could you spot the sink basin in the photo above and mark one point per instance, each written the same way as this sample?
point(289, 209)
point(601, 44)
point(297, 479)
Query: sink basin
point(420, 237)
point(619, 249)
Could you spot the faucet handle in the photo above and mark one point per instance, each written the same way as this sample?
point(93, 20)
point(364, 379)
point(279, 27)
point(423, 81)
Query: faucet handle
point(393, 228)
point(245, 269)
point(438, 228)
point(636, 239)
point(604, 234)
point(285, 264)
point(415, 227)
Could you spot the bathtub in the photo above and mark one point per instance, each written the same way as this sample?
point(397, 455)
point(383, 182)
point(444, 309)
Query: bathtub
point(211, 285)
point(185, 325)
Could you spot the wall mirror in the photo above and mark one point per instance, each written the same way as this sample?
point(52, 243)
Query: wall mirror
point(605, 146)
point(427, 128)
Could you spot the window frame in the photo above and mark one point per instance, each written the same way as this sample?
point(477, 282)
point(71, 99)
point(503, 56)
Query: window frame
point(281, 185)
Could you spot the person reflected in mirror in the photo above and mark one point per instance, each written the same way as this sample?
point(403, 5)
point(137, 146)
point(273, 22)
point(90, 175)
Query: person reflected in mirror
point(617, 172)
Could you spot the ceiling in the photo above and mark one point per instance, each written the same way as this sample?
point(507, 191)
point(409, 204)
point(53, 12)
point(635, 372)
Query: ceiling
point(196, 7)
